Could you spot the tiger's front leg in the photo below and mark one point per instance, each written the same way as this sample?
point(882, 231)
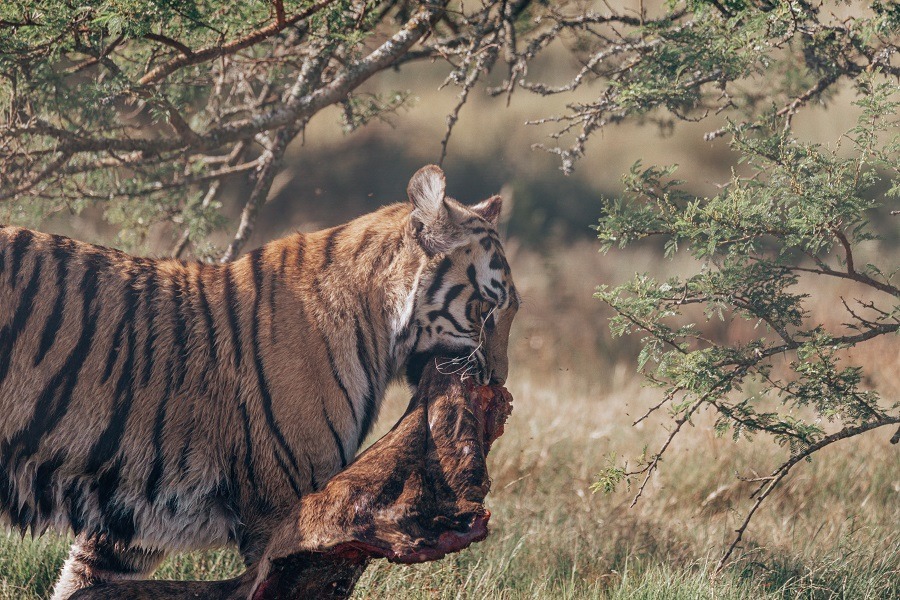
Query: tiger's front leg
point(97, 559)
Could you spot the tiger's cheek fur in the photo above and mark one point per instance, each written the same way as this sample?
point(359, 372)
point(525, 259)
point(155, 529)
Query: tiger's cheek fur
point(466, 309)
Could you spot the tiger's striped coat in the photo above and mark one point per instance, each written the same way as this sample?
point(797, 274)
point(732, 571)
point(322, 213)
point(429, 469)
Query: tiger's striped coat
point(157, 405)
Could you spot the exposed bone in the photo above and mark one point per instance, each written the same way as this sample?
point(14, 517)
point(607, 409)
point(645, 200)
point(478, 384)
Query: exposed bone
point(416, 495)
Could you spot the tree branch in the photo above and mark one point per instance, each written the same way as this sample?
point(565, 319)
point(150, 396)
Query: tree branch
point(782, 471)
point(265, 174)
point(205, 54)
point(158, 37)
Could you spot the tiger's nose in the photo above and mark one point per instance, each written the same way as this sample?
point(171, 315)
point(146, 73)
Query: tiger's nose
point(497, 379)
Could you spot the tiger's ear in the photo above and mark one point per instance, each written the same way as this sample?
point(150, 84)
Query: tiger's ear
point(489, 209)
point(434, 228)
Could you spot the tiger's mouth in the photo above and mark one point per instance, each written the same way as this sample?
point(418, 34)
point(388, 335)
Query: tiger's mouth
point(468, 362)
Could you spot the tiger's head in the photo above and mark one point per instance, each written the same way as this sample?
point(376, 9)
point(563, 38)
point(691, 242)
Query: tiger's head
point(466, 300)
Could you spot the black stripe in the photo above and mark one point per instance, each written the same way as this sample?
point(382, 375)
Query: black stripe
point(207, 314)
point(10, 333)
point(125, 320)
point(120, 523)
point(73, 498)
point(172, 505)
point(284, 467)
point(369, 406)
point(18, 248)
point(498, 286)
point(330, 243)
point(110, 440)
point(312, 475)
point(301, 253)
point(51, 328)
point(263, 384)
point(231, 307)
point(273, 286)
point(337, 378)
point(363, 244)
point(183, 316)
point(389, 252)
point(448, 333)
point(150, 285)
point(452, 294)
point(472, 308)
point(57, 394)
point(334, 369)
point(179, 329)
point(334, 434)
point(444, 311)
point(7, 492)
point(407, 330)
point(186, 446)
point(434, 315)
point(248, 448)
point(116, 518)
point(156, 472)
point(107, 485)
point(439, 275)
point(186, 317)
point(234, 485)
point(473, 279)
point(43, 492)
point(373, 337)
point(496, 262)
point(411, 326)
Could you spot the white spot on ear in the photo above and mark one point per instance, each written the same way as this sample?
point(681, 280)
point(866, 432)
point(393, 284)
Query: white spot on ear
point(435, 229)
point(426, 192)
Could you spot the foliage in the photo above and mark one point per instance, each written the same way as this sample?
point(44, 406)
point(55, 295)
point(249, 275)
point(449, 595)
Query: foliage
point(145, 107)
point(801, 210)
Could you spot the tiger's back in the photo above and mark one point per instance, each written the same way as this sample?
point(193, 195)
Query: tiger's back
point(114, 398)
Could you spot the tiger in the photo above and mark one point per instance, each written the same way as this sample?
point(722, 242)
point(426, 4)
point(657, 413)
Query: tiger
point(155, 405)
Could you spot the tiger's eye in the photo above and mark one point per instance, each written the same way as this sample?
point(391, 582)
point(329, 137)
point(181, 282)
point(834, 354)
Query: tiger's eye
point(488, 311)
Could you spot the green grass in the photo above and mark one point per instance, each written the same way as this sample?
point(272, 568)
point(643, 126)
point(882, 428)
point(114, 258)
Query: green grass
point(508, 566)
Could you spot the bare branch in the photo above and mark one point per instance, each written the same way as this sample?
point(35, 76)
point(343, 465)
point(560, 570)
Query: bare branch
point(858, 277)
point(211, 194)
point(265, 174)
point(781, 472)
point(787, 111)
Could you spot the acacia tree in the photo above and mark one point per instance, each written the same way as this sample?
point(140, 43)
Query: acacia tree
point(803, 211)
point(144, 108)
